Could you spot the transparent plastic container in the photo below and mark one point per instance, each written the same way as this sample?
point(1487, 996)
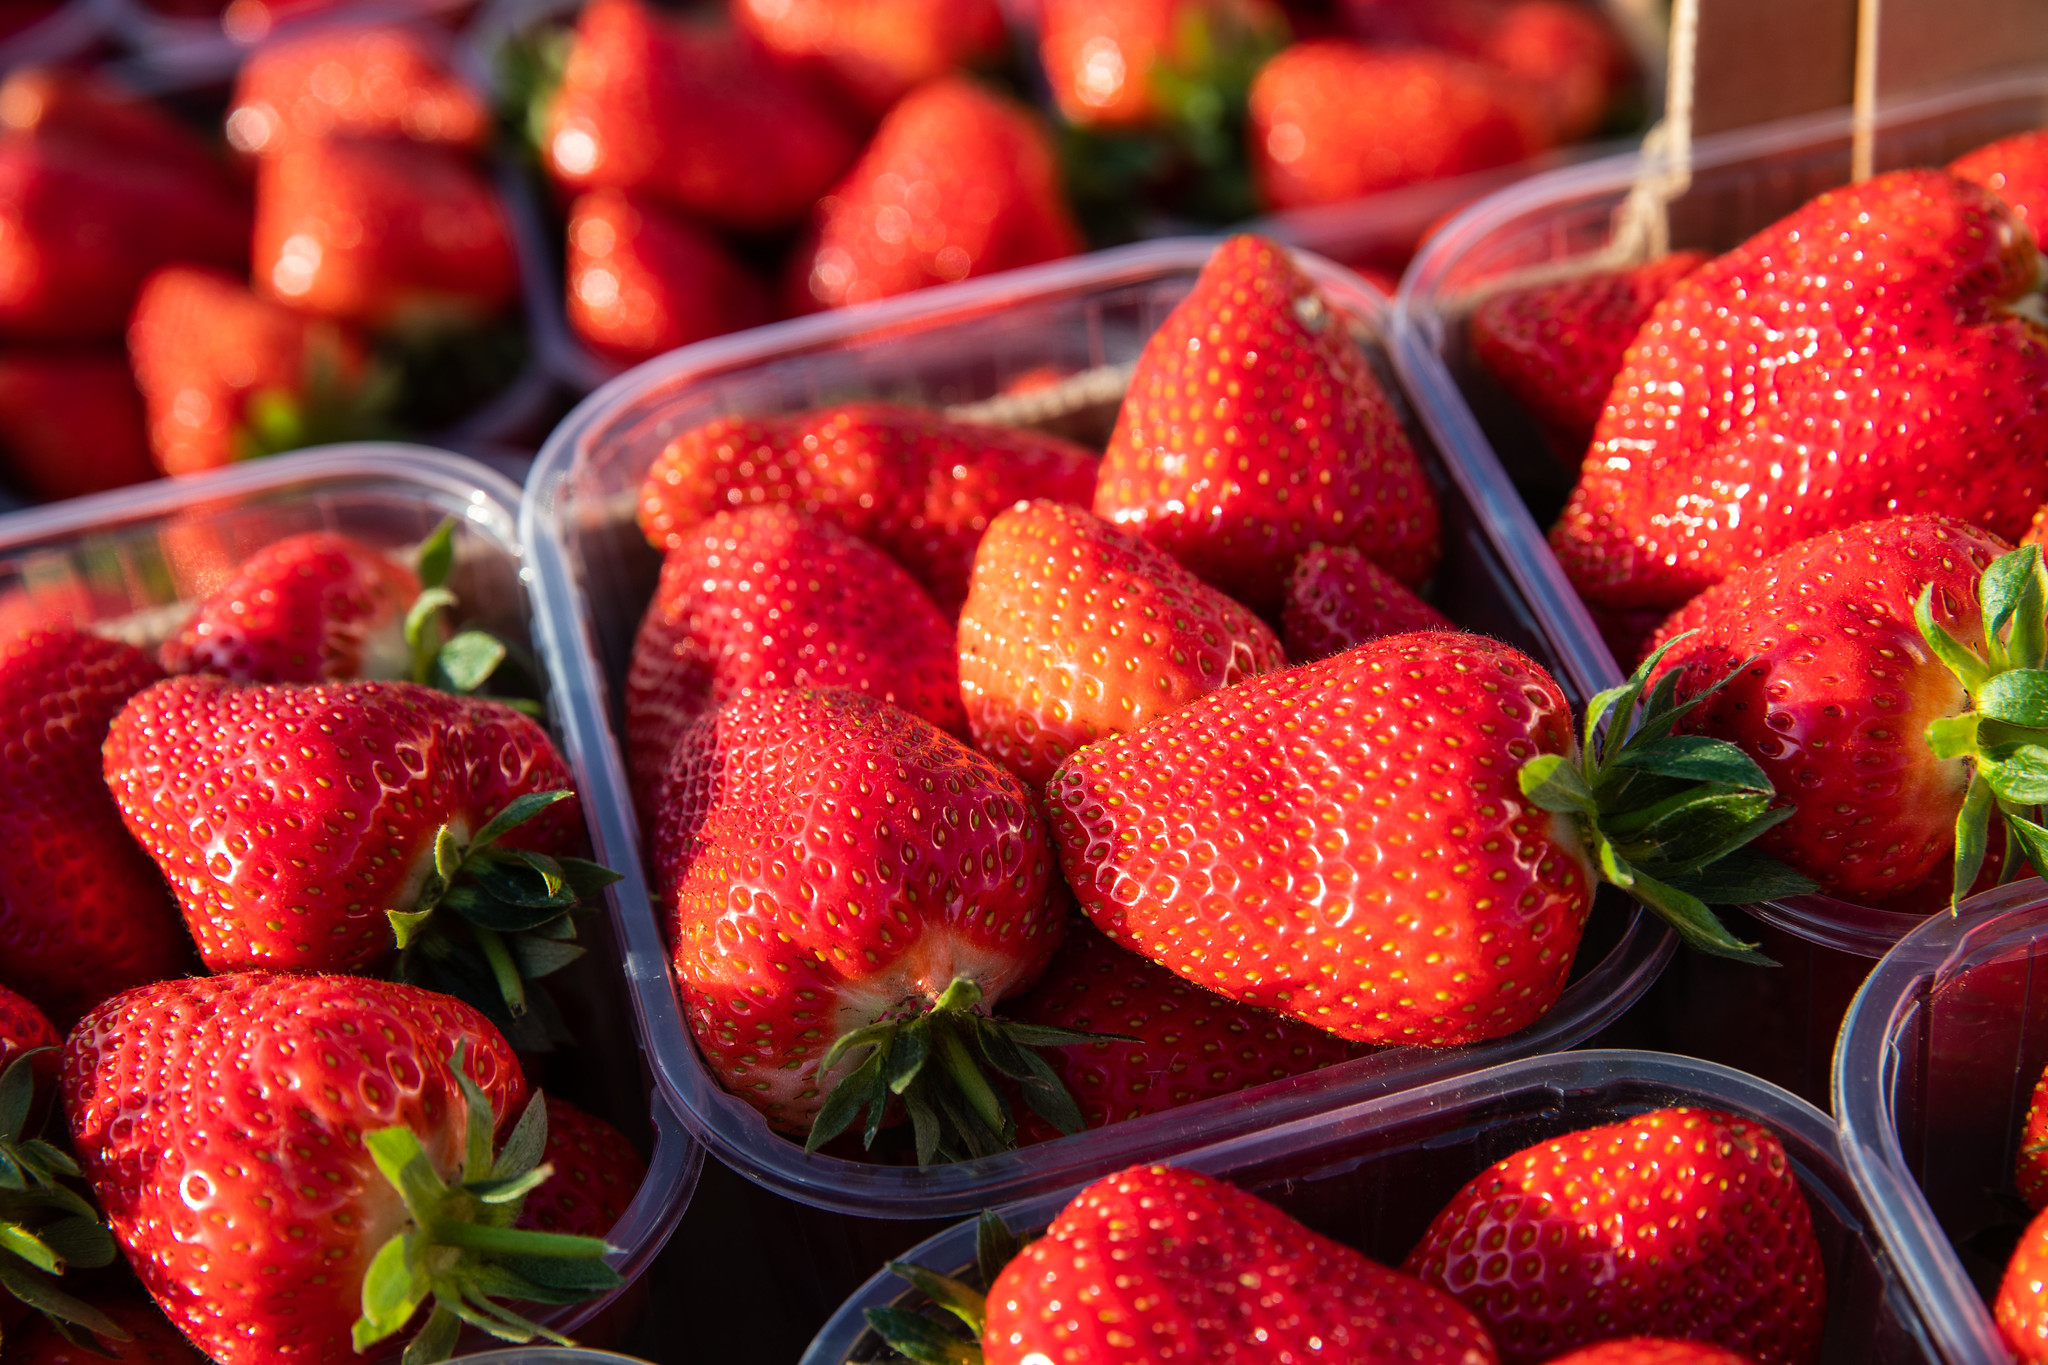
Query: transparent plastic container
point(550, 1355)
point(129, 564)
point(207, 48)
point(1087, 317)
point(1741, 183)
point(1373, 1176)
point(1937, 1060)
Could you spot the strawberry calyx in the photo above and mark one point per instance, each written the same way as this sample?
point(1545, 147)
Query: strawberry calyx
point(930, 1340)
point(461, 1249)
point(2004, 736)
point(1669, 818)
point(466, 660)
point(930, 1058)
point(489, 920)
point(46, 1227)
point(334, 401)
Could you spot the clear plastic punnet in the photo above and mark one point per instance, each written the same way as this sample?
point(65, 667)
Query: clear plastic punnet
point(1740, 183)
point(1086, 318)
point(550, 1355)
point(1373, 1175)
point(129, 564)
point(1937, 1059)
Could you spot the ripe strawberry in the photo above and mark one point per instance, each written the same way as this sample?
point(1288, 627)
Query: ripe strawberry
point(1188, 1044)
point(2016, 170)
point(226, 375)
point(643, 280)
point(769, 598)
point(1074, 630)
point(597, 1171)
point(1556, 348)
point(71, 423)
point(151, 1339)
point(921, 487)
point(265, 1225)
point(876, 50)
point(398, 800)
point(1570, 53)
point(316, 607)
point(23, 1028)
point(2021, 1307)
point(1733, 1259)
point(1724, 442)
point(1653, 1351)
point(696, 117)
point(1163, 1255)
point(1254, 429)
point(377, 81)
point(87, 915)
point(85, 109)
point(1332, 120)
point(813, 915)
point(1337, 598)
point(399, 236)
point(1402, 879)
point(2031, 1169)
point(957, 182)
point(1106, 59)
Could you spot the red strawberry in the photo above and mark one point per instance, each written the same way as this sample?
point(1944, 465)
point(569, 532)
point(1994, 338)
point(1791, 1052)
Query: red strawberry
point(1332, 120)
point(316, 607)
point(2016, 170)
point(957, 182)
point(769, 598)
point(695, 117)
point(1556, 348)
point(71, 423)
point(1104, 58)
point(229, 1124)
point(1731, 1257)
point(918, 485)
point(596, 1174)
point(225, 374)
point(87, 110)
point(2031, 1169)
point(2021, 1307)
point(643, 279)
point(1074, 630)
point(1842, 364)
point(399, 236)
point(87, 915)
point(1254, 429)
point(1569, 53)
point(23, 1029)
point(842, 877)
point(1337, 598)
point(378, 81)
point(1653, 1351)
point(1163, 1255)
point(876, 50)
point(151, 1339)
point(1189, 1045)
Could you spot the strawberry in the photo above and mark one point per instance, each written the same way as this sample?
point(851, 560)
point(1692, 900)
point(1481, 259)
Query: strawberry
point(597, 1171)
point(958, 182)
point(226, 374)
point(1724, 442)
point(316, 607)
point(71, 422)
point(1337, 598)
point(2016, 170)
point(150, 1339)
point(876, 50)
point(1186, 1044)
point(846, 887)
point(281, 1158)
point(1253, 428)
point(1556, 348)
point(1332, 120)
point(1652, 1351)
point(399, 236)
point(402, 801)
point(769, 598)
point(1074, 629)
point(1402, 878)
point(1732, 1260)
point(88, 915)
point(920, 486)
point(87, 110)
point(2021, 1306)
point(1570, 53)
point(376, 81)
point(1107, 60)
point(695, 117)
point(643, 280)
point(2031, 1169)
point(23, 1028)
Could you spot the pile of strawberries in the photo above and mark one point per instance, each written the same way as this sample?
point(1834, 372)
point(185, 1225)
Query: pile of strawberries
point(299, 882)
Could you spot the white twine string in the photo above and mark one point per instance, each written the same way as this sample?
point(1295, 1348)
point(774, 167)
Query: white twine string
point(1863, 137)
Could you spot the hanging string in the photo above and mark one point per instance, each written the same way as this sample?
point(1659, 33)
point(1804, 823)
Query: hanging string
point(1863, 135)
point(1642, 229)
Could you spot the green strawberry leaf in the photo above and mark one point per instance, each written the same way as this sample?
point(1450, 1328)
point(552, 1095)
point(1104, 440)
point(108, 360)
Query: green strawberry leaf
point(921, 1339)
point(2017, 697)
point(1741, 877)
point(467, 662)
point(1696, 924)
point(1959, 660)
point(17, 1094)
point(436, 555)
point(1553, 783)
point(2020, 776)
point(1696, 758)
point(995, 1246)
point(963, 1301)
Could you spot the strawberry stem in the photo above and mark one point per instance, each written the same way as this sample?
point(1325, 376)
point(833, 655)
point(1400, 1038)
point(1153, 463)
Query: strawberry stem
point(932, 1341)
point(46, 1227)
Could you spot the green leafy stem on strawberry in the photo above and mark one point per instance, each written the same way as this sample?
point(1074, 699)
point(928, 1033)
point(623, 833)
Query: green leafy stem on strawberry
point(928, 1340)
point(467, 660)
point(461, 1250)
point(927, 1060)
point(1668, 817)
point(335, 400)
point(490, 919)
point(45, 1226)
